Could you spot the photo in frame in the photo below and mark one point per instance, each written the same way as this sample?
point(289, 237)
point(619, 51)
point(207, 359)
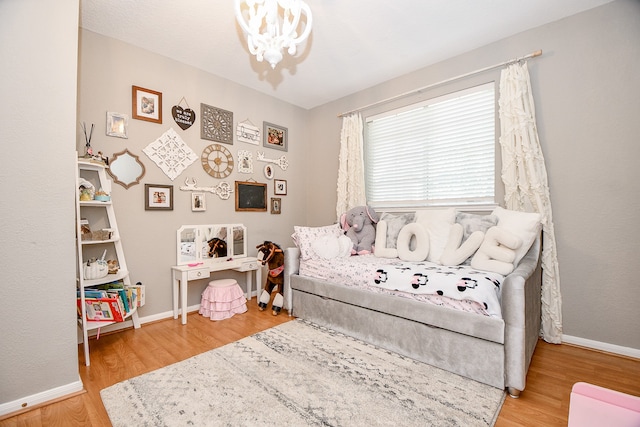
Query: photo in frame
point(251, 196)
point(276, 205)
point(117, 124)
point(268, 171)
point(275, 136)
point(198, 202)
point(146, 104)
point(158, 197)
point(280, 187)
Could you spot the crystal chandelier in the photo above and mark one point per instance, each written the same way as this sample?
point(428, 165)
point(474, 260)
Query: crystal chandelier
point(272, 25)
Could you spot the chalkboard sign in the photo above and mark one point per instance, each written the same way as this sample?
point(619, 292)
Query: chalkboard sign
point(251, 196)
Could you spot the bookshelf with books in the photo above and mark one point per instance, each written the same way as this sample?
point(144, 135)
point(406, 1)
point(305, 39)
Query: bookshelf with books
point(105, 293)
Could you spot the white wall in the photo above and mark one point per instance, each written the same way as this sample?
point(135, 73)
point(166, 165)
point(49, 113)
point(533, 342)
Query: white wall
point(586, 89)
point(38, 351)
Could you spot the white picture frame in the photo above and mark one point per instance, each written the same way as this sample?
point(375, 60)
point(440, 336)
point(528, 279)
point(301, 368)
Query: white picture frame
point(245, 161)
point(117, 124)
point(269, 171)
point(198, 202)
point(280, 187)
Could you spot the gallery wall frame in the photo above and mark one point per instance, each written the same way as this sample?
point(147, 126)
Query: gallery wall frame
point(275, 136)
point(251, 196)
point(276, 205)
point(158, 197)
point(146, 104)
point(198, 202)
point(117, 124)
point(280, 187)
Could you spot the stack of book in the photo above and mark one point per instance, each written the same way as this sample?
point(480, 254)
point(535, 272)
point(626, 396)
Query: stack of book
point(111, 302)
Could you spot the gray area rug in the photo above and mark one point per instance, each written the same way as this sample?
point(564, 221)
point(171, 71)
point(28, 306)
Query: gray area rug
point(301, 374)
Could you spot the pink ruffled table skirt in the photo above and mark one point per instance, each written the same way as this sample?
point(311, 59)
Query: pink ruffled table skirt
point(222, 299)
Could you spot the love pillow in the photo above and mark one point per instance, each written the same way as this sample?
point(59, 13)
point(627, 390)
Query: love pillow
point(456, 252)
point(437, 223)
point(497, 252)
point(525, 225)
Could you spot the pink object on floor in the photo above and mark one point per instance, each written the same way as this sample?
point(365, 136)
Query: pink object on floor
point(591, 405)
point(222, 299)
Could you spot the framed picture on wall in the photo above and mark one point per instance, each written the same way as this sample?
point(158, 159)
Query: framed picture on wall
point(276, 205)
point(158, 197)
point(198, 202)
point(280, 187)
point(275, 136)
point(251, 196)
point(117, 124)
point(146, 104)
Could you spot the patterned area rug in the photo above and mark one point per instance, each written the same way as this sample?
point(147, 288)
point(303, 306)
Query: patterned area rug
point(301, 374)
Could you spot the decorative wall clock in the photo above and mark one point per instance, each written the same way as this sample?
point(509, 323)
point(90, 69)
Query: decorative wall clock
point(217, 161)
point(217, 124)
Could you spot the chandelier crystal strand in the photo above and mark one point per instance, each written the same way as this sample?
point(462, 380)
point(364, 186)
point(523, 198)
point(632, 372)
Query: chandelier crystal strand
point(271, 25)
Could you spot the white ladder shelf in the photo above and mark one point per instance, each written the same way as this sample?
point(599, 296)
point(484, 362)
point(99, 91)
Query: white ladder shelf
point(103, 214)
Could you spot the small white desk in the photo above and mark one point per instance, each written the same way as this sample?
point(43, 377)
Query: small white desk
point(182, 274)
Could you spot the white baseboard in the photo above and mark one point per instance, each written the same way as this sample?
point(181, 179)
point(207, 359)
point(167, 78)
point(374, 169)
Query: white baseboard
point(603, 346)
point(42, 397)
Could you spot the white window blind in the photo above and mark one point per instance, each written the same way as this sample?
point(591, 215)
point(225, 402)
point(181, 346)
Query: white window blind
point(438, 152)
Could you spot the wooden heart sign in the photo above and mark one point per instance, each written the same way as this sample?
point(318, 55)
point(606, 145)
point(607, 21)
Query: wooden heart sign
point(184, 118)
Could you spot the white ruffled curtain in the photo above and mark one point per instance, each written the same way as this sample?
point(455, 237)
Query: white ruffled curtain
point(351, 190)
point(526, 187)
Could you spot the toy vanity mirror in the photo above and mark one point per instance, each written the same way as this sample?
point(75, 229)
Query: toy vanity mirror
point(186, 245)
point(198, 243)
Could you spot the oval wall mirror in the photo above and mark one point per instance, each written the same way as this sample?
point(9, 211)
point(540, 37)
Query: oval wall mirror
point(126, 168)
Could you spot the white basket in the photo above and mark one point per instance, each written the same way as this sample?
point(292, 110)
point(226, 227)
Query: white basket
point(95, 269)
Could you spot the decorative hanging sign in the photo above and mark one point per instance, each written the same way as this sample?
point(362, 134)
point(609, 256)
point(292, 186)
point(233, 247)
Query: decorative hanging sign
point(248, 132)
point(184, 117)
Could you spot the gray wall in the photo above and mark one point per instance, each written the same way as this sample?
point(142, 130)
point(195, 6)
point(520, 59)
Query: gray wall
point(107, 70)
point(586, 89)
point(38, 47)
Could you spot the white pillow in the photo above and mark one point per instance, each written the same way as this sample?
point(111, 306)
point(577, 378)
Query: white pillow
point(497, 252)
point(525, 225)
point(304, 237)
point(329, 247)
point(422, 243)
point(438, 223)
point(456, 253)
point(380, 249)
point(395, 222)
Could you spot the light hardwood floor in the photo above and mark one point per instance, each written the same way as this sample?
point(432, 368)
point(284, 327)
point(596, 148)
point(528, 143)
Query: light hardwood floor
point(118, 356)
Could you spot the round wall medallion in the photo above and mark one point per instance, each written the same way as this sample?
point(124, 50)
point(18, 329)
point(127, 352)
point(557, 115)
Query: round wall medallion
point(217, 161)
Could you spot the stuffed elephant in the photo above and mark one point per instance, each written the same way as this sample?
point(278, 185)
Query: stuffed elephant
point(359, 224)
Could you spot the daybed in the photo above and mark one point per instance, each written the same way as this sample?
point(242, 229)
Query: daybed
point(494, 350)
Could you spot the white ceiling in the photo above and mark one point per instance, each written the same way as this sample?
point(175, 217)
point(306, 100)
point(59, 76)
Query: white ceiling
point(354, 44)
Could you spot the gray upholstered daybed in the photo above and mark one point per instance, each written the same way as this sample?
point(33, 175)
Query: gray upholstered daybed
point(494, 351)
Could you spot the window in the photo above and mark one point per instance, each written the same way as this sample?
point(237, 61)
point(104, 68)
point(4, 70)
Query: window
point(438, 152)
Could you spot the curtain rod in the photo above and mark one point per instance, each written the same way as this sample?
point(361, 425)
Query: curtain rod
point(416, 91)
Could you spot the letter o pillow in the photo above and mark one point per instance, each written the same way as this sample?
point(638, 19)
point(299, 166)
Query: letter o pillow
point(403, 244)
